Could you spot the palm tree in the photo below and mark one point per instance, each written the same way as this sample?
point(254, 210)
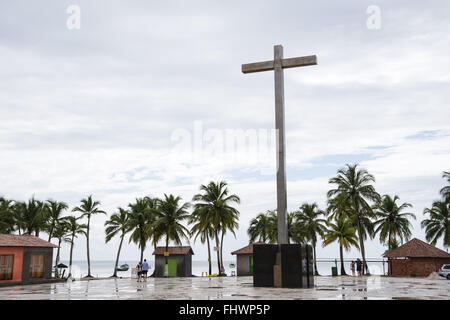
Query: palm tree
point(74, 229)
point(117, 225)
point(354, 185)
point(32, 216)
point(393, 245)
point(168, 221)
point(216, 204)
point(201, 227)
point(445, 191)
point(88, 208)
point(60, 232)
point(141, 220)
point(311, 225)
point(7, 216)
point(54, 210)
point(259, 228)
point(229, 223)
point(343, 232)
point(438, 225)
point(392, 222)
point(272, 226)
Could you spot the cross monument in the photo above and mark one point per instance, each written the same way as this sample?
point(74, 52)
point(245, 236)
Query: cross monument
point(278, 64)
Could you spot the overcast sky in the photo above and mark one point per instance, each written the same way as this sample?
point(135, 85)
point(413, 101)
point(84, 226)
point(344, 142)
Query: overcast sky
point(98, 110)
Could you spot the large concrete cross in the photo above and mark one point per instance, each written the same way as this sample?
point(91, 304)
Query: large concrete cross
point(278, 64)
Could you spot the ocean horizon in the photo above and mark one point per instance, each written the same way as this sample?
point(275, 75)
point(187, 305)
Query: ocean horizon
point(105, 268)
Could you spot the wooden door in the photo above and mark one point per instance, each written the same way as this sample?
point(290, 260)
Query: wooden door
point(6, 266)
point(37, 266)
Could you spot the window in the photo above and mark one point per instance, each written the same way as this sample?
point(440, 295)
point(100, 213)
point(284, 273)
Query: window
point(6, 266)
point(37, 266)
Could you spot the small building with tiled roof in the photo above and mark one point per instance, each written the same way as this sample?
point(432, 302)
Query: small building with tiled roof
point(416, 258)
point(25, 259)
point(179, 261)
point(244, 260)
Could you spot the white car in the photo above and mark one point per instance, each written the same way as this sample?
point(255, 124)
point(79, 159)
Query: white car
point(445, 271)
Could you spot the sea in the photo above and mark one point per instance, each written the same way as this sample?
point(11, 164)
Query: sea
point(105, 268)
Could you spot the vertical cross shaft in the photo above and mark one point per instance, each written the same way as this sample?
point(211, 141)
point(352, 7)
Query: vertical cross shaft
point(281, 146)
point(278, 65)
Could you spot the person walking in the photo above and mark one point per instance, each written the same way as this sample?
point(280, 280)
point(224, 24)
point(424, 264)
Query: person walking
point(352, 267)
point(358, 266)
point(139, 272)
point(145, 269)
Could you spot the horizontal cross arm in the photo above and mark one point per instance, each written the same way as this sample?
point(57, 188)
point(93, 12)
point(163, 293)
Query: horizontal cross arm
point(286, 63)
point(299, 62)
point(257, 67)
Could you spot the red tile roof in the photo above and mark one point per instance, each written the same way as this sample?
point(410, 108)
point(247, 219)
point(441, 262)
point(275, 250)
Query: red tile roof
point(248, 249)
point(417, 249)
point(14, 240)
point(173, 250)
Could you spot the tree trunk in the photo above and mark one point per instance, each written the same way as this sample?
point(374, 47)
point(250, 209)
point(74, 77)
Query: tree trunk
point(57, 257)
point(217, 246)
point(364, 270)
point(209, 254)
point(221, 248)
point(166, 257)
point(341, 253)
point(389, 250)
point(70, 261)
point(87, 242)
point(361, 244)
point(51, 232)
point(118, 254)
point(316, 272)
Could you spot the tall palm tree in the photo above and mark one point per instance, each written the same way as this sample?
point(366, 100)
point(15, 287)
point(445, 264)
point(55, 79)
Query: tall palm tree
point(117, 225)
point(88, 208)
point(311, 225)
point(60, 232)
point(73, 230)
point(168, 221)
point(32, 216)
point(355, 186)
point(445, 191)
point(201, 227)
point(7, 216)
point(141, 220)
point(344, 233)
point(438, 225)
point(54, 211)
point(217, 205)
point(392, 222)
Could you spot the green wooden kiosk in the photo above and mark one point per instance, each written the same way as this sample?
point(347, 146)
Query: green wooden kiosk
point(179, 261)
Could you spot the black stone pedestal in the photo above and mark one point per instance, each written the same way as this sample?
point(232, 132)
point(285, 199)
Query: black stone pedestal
point(295, 263)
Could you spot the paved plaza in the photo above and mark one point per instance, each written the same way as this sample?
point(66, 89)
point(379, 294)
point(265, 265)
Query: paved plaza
point(236, 288)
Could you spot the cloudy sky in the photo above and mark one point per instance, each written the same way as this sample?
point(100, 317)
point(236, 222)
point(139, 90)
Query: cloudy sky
point(137, 100)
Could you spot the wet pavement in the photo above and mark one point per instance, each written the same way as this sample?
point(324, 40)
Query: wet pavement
point(235, 288)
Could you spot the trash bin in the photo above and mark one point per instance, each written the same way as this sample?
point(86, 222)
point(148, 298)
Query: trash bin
point(334, 271)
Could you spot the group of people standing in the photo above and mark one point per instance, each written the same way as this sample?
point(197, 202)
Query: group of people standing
point(358, 265)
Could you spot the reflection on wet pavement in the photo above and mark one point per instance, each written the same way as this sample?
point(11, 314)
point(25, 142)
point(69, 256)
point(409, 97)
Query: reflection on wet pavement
point(241, 288)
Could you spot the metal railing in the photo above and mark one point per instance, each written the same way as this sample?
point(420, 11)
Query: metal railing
point(376, 266)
